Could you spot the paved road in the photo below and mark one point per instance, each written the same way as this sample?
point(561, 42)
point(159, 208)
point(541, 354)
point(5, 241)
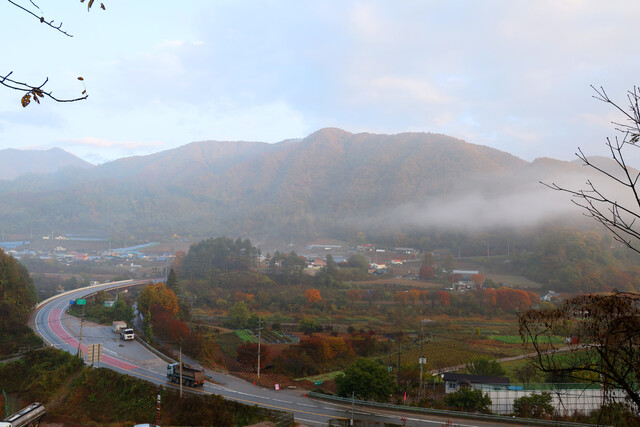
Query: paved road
point(61, 330)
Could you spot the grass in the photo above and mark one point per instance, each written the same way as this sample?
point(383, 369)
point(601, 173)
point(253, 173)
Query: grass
point(322, 377)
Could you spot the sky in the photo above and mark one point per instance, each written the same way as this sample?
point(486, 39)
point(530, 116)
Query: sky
point(513, 75)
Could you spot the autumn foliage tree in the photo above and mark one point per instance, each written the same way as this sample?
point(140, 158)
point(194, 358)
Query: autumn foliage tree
point(426, 272)
point(509, 299)
point(478, 279)
point(312, 296)
point(248, 355)
point(444, 299)
point(157, 294)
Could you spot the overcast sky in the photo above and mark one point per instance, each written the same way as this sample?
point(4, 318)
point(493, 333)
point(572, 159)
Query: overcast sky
point(513, 75)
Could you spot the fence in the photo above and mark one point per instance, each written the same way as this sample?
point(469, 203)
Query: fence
point(567, 399)
point(442, 412)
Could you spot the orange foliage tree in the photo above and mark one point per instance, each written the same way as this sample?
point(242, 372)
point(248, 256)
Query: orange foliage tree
point(312, 296)
point(241, 296)
point(414, 295)
point(402, 297)
point(478, 279)
point(353, 295)
point(513, 299)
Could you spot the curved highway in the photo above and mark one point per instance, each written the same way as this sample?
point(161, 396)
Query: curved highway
point(61, 330)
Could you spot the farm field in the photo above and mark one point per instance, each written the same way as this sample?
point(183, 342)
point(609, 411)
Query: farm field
point(514, 281)
point(515, 339)
point(246, 336)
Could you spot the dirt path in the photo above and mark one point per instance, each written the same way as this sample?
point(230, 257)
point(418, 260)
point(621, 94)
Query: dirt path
point(504, 359)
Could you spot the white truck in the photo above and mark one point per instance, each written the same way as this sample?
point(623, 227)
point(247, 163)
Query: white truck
point(126, 334)
point(118, 325)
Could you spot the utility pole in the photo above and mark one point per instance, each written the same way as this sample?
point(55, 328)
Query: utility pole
point(80, 340)
point(421, 358)
point(399, 354)
point(259, 332)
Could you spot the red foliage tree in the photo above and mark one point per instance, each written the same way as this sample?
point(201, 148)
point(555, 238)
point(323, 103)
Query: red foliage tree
point(165, 325)
point(444, 299)
point(426, 272)
point(248, 355)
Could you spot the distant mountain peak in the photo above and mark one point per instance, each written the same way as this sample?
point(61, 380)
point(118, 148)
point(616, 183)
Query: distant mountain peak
point(15, 163)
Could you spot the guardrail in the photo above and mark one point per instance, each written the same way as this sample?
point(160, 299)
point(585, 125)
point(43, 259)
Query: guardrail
point(443, 412)
point(154, 350)
point(122, 284)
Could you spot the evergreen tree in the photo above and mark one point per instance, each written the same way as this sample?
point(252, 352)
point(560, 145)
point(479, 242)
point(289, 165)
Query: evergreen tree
point(172, 283)
point(328, 275)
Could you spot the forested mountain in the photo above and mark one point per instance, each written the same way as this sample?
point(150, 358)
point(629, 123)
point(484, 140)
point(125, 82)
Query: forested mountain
point(15, 163)
point(330, 183)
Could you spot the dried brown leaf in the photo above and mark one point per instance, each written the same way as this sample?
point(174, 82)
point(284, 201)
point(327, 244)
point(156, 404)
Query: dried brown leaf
point(80, 78)
point(26, 99)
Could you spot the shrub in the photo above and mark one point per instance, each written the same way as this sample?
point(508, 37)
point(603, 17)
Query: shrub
point(469, 400)
point(534, 406)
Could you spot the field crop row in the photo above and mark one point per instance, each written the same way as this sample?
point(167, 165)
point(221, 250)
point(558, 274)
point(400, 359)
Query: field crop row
point(246, 336)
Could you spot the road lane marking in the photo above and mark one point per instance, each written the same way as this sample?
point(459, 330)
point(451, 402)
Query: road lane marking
point(312, 421)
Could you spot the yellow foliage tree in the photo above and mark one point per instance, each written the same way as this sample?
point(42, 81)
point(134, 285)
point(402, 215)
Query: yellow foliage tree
point(158, 294)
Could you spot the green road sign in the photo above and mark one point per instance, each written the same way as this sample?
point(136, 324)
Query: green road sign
point(317, 382)
point(81, 301)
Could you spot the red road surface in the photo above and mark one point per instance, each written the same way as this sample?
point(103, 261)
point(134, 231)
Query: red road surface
point(55, 322)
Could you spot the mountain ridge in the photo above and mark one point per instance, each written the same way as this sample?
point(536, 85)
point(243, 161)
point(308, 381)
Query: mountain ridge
point(322, 184)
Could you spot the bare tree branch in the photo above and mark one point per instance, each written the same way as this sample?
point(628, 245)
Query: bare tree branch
point(35, 91)
point(41, 18)
point(619, 219)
